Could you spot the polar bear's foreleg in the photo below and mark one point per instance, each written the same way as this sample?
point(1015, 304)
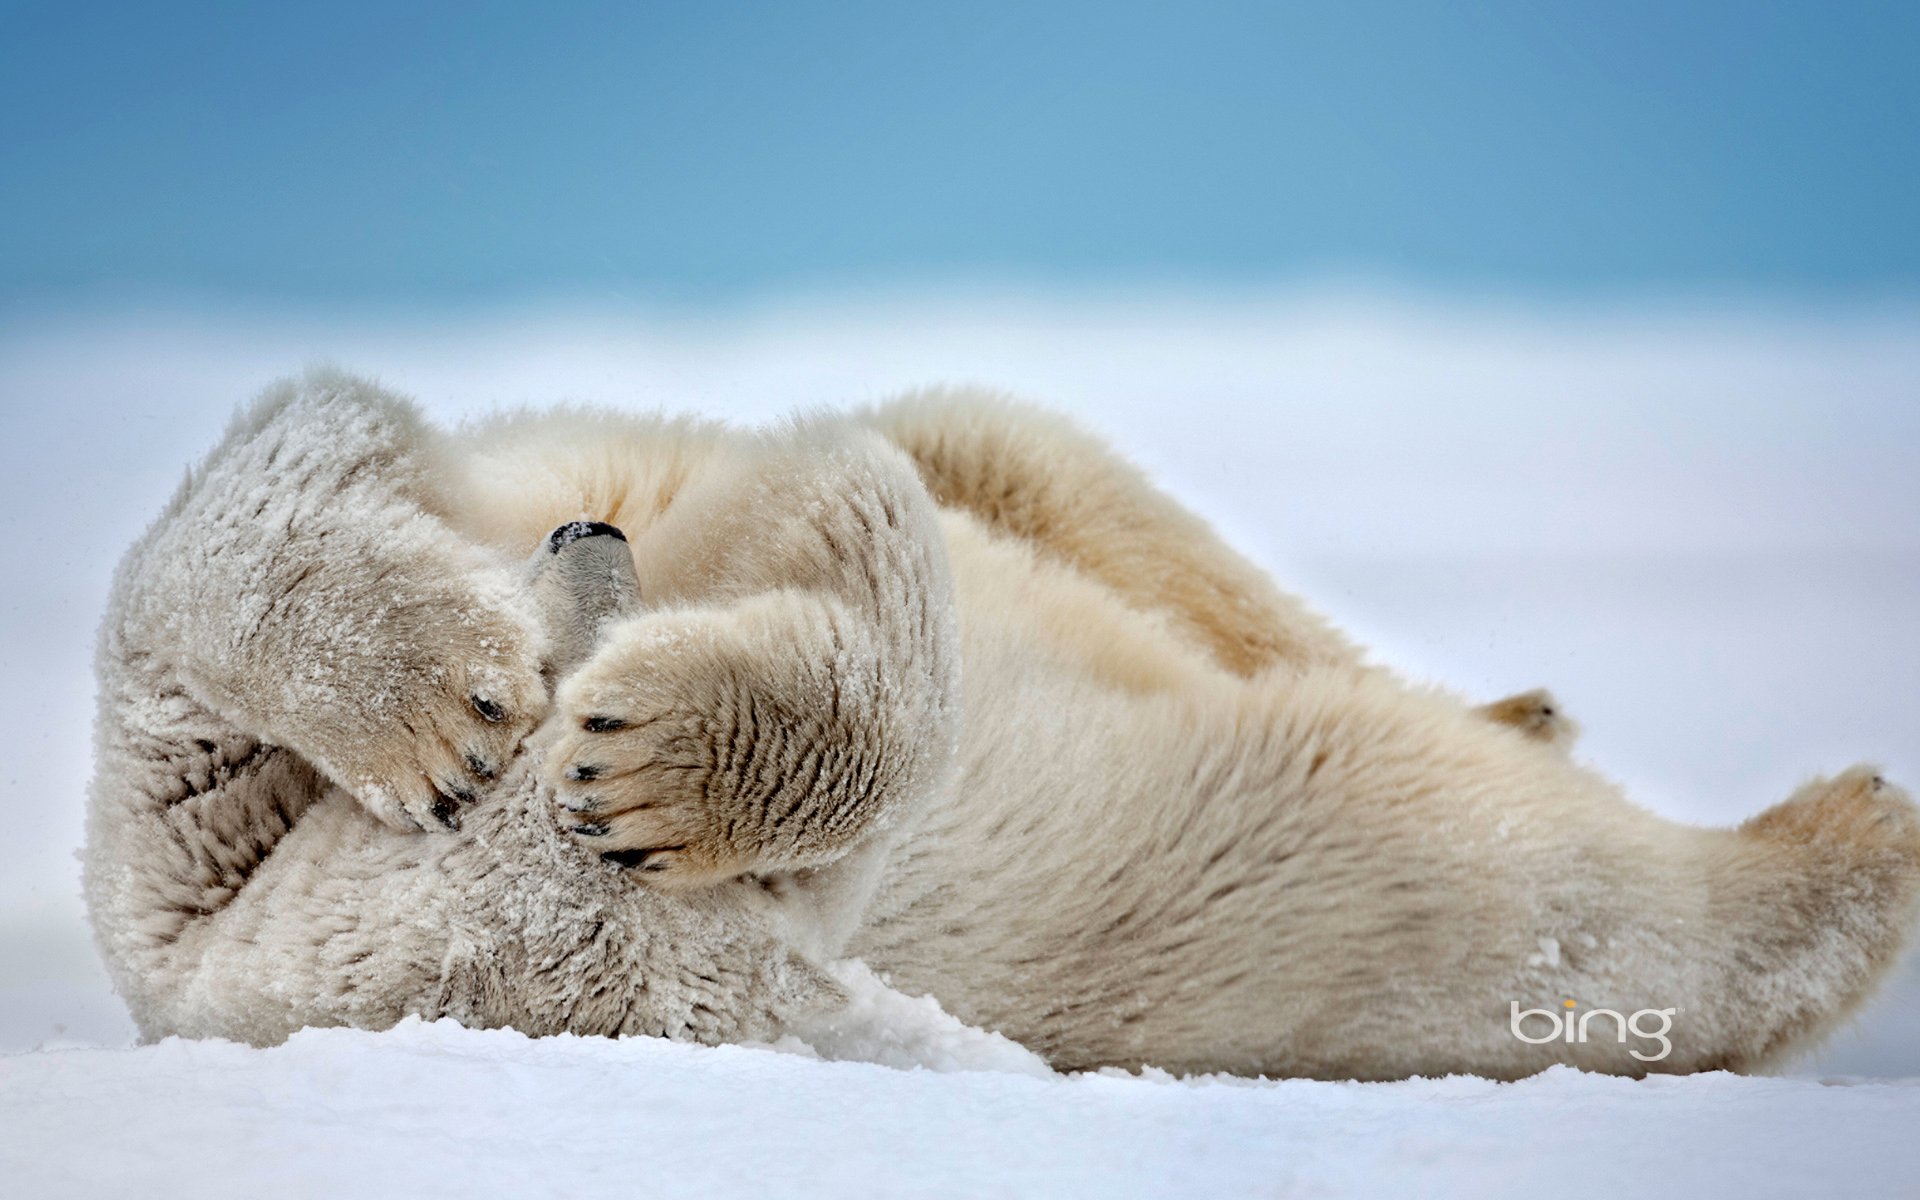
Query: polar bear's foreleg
point(1036, 476)
point(796, 684)
point(185, 807)
point(300, 587)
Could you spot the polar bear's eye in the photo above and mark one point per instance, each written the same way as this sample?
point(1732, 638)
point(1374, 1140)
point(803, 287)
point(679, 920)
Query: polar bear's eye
point(492, 712)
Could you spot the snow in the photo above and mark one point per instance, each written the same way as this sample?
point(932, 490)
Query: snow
point(437, 1110)
point(884, 1027)
point(1700, 528)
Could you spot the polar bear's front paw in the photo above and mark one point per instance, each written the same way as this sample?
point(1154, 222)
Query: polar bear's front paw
point(417, 709)
point(637, 791)
point(447, 749)
point(699, 745)
point(680, 752)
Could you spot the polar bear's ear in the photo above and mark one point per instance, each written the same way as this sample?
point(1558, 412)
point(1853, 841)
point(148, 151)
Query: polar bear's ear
point(582, 578)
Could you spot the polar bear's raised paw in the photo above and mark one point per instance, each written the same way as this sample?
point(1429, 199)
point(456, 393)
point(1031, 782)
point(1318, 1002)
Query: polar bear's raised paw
point(662, 759)
point(443, 723)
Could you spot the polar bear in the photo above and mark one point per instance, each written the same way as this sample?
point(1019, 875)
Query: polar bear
point(595, 722)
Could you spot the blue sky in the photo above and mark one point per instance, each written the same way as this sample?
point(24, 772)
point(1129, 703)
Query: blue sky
point(397, 152)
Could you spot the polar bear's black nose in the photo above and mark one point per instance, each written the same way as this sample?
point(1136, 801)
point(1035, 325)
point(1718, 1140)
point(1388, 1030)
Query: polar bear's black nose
point(573, 531)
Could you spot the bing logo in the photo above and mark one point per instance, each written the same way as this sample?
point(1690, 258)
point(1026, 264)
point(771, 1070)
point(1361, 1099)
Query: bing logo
point(1567, 1027)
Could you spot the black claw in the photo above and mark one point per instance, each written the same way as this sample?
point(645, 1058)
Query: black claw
point(573, 531)
point(602, 724)
point(584, 804)
point(481, 767)
point(593, 829)
point(445, 811)
point(488, 710)
point(581, 772)
point(638, 858)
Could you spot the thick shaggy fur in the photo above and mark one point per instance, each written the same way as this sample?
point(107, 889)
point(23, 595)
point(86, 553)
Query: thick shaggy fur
point(944, 686)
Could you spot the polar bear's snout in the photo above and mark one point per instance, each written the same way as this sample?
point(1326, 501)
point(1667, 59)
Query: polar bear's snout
point(582, 578)
point(573, 531)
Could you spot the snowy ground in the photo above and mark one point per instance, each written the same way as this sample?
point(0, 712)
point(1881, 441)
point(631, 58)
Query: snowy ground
point(436, 1110)
point(1703, 531)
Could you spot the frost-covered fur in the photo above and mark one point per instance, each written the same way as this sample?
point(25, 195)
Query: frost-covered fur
point(942, 686)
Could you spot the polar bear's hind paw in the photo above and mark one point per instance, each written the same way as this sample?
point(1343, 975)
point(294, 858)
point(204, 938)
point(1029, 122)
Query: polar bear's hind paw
point(1857, 809)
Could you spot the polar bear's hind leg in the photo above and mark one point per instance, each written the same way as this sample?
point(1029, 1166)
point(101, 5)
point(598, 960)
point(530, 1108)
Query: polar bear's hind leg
point(1036, 476)
point(1825, 886)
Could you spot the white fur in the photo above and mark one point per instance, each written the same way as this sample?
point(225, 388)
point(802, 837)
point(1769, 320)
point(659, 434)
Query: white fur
point(945, 687)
